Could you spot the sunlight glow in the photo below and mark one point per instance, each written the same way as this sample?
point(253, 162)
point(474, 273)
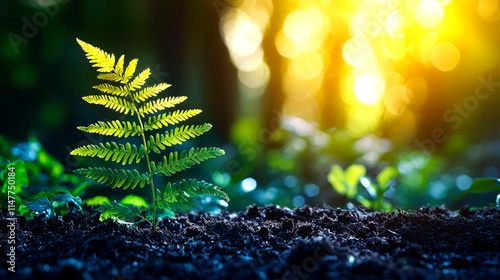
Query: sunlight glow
point(298, 26)
point(430, 13)
point(369, 88)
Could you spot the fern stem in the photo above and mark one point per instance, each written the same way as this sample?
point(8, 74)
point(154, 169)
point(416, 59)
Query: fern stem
point(147, 154)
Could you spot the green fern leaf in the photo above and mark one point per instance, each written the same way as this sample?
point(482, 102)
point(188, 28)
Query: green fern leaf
point(176, 163)
point(150, 92)
point(115, 178)
point(98, 57)
point(116, 152)
point(176, 136)
point(124, 213)
point(109, 77)
point(119, 65)
point(139, 80)
point(129, 72)
point(107, 88)
point(170, 118)
point(115, 103)
point(152, 107)
point(187, 189)
point(115, 128)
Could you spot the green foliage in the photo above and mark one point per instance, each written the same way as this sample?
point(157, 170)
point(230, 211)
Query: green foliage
point(96, 200)
point(129, 214)
point(346, 183)
point(50, 204)
point(129, 98)
point(483, 185)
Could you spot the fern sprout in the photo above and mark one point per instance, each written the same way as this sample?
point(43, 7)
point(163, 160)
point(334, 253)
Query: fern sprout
point(125, 94)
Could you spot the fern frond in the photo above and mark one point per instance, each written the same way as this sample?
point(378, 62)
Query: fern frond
point(124, 213)
point(107, 88)
point(139, 80)
point(110, 77)
point(114, 177)
point(115, 128)
point(118, 104)
point(98, 57)
point(172, 118)
point(176, 136)
point(116, 152)
point(186, 189)
point(150, 92)
point(119, 66)
point(152, 107)
point(176, 163)
point(129, 72)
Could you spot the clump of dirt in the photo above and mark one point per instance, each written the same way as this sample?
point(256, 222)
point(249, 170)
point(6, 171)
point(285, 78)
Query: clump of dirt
point(262, 243)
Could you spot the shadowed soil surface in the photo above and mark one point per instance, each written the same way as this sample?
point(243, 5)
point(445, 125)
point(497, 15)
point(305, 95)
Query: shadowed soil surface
point(261, 243)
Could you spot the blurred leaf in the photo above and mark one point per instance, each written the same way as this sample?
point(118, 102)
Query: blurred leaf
point(80, 189)
point(386, 176)
point(353, 173)
point(40, 206)
point(484, 184)
point(122, 213)
point(134, 200)
point(336, 177)
point(66, 198)
point(97, 200)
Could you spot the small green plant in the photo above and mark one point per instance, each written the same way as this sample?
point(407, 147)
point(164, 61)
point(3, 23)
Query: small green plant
point(483, 185)
point(346, 183)
point(50, 204)
point(127, 96)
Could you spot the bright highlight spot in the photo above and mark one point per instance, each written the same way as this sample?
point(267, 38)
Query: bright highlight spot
point(369, 88)
point(298, 26)
point(445, 56)
point(248, 185)
point(394, 25)
point(358, 53)
point(242, 36)
point(430, 13)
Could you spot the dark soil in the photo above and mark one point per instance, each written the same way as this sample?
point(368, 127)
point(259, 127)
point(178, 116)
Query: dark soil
point(262, 243)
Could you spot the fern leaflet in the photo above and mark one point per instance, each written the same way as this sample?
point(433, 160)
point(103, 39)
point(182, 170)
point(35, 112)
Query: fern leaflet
point(98, 58)
point(139, 80)
point(150, 92)
point(115, 128)
point(129, 72)
point(176, 163)
point(170, 118)
point(115, 103)
point(107, 88)
point(152, 107)
point(176, 136)
point(116, 152)
point(187, 189)
point(116, 178)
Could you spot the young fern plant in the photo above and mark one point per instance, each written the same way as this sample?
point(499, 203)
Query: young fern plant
point(127, 95)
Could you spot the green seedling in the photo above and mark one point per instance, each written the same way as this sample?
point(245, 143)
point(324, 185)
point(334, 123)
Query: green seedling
point(346, 183)
point(50, 204)
point(125, 94)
